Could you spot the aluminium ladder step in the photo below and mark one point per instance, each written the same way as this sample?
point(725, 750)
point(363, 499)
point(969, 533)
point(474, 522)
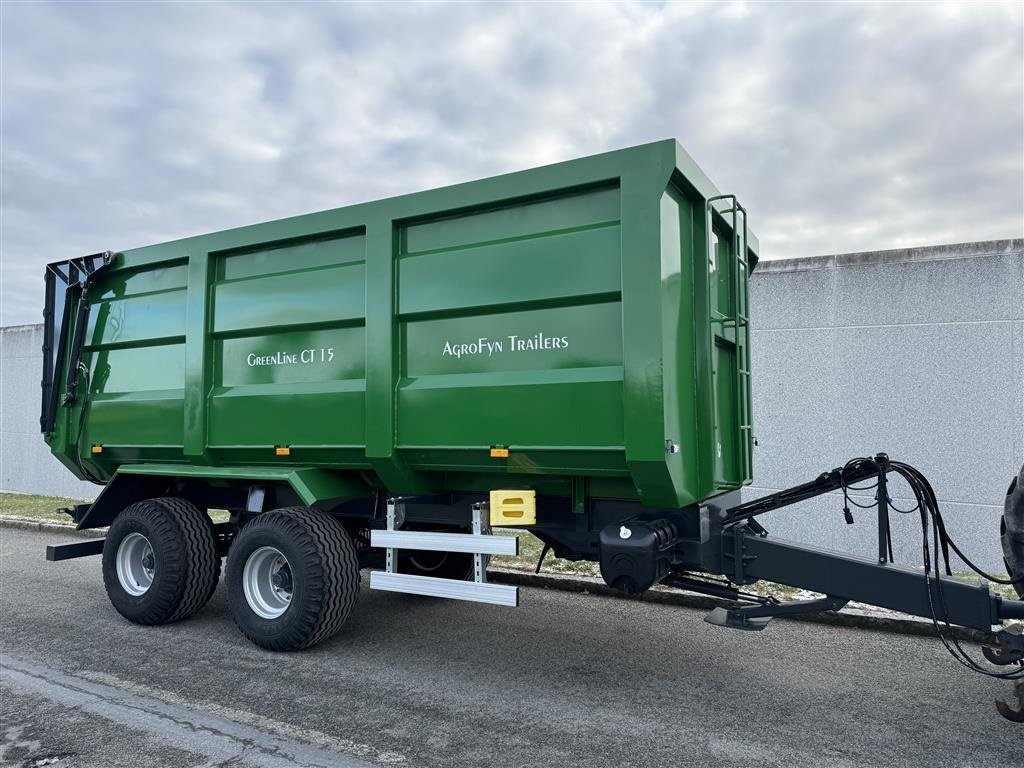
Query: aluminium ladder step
point(453, 589)
point(471, 543)
point(479, 543)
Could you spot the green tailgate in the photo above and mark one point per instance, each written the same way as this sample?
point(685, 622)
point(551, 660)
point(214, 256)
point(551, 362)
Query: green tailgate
point(580, 315)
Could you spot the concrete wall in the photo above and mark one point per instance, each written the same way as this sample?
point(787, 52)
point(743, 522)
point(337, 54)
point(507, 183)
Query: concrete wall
point(918, 353)
point(26, 464)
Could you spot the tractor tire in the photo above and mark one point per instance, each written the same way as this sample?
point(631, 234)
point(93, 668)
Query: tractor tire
point(292, 578)
point(1011, 530)
point(160, 561)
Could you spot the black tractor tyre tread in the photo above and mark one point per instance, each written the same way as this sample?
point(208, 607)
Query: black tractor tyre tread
point(332, 572)
point(188, 567)
point(341, 571)
point(1012, 530)
point(203, 563)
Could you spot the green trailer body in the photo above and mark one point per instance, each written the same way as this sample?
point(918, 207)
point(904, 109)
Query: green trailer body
point(588, 318)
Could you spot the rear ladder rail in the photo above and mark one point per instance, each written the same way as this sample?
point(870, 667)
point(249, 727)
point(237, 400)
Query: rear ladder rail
point(740, 268)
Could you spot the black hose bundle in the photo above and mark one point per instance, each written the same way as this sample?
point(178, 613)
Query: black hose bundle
point(936, 544)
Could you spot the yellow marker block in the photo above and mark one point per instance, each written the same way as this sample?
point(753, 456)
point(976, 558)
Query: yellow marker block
point(513, 508)
point(97, 449)
point(282, 450)
point(499, 453)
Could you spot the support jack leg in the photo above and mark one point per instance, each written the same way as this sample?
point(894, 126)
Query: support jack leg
point(1014, 714)
point(756, 617)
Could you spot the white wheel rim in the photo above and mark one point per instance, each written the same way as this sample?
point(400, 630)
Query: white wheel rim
point(267, 582)
point(136, 564)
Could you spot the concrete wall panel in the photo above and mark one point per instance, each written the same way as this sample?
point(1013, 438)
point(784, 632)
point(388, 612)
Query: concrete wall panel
point(26, 464)
point(1018, 385)
point(800, 297)
point(794, 420)
point(967, 289)
point(938, 396)
point(926, 363)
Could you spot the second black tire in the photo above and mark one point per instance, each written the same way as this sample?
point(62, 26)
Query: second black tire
point(1012, 531)
point(315, 570)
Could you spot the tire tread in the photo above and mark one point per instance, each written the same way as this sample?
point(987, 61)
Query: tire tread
point(200, 554)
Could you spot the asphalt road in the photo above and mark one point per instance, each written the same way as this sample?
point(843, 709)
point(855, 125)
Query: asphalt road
point(565, 680)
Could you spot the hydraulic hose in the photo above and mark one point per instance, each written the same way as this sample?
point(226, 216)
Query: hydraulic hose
point(1011, 609)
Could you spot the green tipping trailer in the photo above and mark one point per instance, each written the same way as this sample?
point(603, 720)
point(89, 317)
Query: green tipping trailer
point(564, 349)
point(589, 317)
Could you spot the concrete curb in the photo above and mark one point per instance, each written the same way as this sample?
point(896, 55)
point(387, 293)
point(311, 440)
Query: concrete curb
point(848, 617)
point(68, 529)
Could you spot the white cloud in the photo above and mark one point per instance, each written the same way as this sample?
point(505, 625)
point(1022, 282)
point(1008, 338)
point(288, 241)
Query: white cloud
point(843, 127)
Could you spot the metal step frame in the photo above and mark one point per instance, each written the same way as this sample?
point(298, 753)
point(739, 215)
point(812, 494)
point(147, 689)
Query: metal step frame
point(480, 543)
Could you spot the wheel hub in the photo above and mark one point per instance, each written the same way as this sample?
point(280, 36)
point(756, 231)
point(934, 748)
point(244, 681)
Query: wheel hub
point(267, 582)
point(282, 579)
point(135, 564)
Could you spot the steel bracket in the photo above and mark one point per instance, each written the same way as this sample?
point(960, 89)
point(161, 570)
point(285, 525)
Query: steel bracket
point(1008, 647)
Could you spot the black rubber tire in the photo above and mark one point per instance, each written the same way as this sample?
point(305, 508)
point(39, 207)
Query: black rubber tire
point(185, 552)
point(1011, 530)
point(443, 565)
point(325, 577)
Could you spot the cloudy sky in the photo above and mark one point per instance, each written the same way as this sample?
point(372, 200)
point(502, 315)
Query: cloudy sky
point(842, 127)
